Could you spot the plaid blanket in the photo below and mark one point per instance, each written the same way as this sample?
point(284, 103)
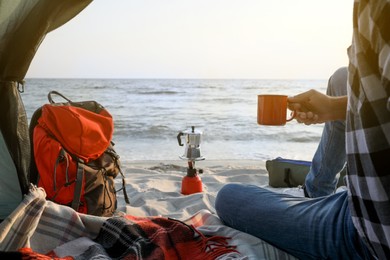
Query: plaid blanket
point(40, 229)
point(158, 238)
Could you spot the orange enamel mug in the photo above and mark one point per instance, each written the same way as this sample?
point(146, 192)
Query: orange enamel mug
point(272, 110)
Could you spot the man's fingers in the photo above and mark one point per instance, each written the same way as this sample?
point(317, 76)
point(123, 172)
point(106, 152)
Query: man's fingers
point(308, 118)
point(310, 115)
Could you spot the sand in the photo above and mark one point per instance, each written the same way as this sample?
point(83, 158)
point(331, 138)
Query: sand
point(154, 187)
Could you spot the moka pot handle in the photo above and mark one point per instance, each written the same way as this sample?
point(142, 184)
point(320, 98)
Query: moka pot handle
point(179, 138)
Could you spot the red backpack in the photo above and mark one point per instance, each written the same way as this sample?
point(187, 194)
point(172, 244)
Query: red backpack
point(73, 156)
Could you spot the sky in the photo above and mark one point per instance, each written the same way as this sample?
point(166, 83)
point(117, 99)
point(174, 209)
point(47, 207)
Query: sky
point(232, 39)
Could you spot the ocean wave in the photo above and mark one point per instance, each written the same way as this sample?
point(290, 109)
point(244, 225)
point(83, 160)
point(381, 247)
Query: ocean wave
point(142, 131)
point(224, 100)
point(304, 139)
point(159, 92)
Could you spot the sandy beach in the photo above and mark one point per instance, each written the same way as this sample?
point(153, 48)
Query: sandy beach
point(154, 187)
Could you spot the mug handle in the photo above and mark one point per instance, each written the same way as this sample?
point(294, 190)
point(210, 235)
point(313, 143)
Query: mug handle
point(293, 114)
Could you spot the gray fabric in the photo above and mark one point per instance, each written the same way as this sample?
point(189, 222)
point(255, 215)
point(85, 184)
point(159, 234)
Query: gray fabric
point(10, 195)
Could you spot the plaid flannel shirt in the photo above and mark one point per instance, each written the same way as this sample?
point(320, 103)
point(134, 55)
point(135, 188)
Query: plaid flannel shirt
point(368, 124)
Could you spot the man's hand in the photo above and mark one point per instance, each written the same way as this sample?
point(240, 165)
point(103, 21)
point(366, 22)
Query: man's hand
point(313, 107)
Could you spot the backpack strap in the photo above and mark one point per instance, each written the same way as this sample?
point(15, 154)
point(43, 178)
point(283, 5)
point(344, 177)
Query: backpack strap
point(115, 157)
point(53, 92)
point(61, 157)
point(78, 186)
point(124, 186)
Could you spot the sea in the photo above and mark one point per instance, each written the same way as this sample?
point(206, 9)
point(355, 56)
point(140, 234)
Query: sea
point(149, 113)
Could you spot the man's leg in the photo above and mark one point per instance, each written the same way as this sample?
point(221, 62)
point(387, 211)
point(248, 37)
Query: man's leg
point(330, 157)
point(307, 228)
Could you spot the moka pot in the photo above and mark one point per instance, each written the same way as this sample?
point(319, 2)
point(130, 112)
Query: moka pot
point(192, 140)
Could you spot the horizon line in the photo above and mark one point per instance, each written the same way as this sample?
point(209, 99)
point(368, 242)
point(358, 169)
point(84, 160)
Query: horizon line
point(169, 78)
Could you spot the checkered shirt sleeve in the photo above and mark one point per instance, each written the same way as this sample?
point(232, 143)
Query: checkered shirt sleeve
point(368, 124)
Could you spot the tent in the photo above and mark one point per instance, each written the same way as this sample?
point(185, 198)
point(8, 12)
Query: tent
point(23, 26)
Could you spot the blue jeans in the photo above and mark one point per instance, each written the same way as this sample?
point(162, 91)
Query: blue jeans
point(307, 228)
point(330, 156)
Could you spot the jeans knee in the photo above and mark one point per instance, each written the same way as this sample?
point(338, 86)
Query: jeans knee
point(227, 198)
point(225, 194)
point(337, 85)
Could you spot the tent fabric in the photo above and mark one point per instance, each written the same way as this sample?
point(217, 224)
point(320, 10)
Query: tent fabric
point(10, 195)
point(23, 26)
point(14, 128)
